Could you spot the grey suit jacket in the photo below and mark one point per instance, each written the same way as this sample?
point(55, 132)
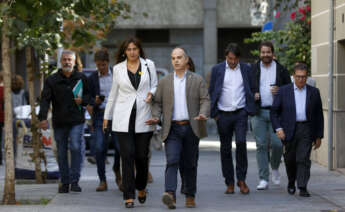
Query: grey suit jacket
point(198, 102)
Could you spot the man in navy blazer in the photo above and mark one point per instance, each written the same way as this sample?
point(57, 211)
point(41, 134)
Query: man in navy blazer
point(100, 83)
point(297, 118)
point(231, 102)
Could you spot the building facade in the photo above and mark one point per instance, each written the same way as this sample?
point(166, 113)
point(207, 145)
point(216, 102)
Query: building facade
point(202, 27)
point(320, 60)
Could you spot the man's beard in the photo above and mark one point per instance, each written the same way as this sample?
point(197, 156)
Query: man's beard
point(267, 60)
point(67, 69)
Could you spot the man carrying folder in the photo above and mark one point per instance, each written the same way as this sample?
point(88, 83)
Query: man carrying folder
point(67, 91)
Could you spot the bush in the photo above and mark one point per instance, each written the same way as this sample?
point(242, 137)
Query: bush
point(293, 44)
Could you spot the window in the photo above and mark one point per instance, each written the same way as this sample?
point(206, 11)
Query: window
point(153, 35)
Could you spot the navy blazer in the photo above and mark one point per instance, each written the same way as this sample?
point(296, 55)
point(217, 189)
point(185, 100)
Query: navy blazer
point(216, 86)
point(283, 111)
point(282, 78)
point(93, 81)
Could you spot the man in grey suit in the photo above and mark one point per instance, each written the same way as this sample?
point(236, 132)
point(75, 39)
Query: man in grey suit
point(182, 103)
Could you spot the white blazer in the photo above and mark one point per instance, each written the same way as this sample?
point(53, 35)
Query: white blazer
point(123, 95)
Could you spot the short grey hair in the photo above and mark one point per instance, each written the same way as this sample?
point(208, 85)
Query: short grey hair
point(69, 52)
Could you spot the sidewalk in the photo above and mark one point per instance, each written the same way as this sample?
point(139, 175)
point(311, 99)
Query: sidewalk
point(327, 190)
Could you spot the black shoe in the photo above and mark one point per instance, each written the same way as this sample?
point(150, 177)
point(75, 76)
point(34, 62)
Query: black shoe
point(291, 190)
point(142, 196)
point(91, 160)
point(64, 188)
point(129, 204)
point(75, 187)
point(303, 192)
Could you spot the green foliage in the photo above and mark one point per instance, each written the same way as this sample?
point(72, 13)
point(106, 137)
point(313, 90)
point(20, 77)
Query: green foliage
point(290, 4)
point(293, 44)
point(38, 23)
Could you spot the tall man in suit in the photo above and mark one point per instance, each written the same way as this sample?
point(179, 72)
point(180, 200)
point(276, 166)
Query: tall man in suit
point(100, 84)
point(297, 118)
point(268, 76)
point(182, 102)
point(231, 102)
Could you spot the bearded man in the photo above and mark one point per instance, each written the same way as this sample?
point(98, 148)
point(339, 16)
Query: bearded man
point(68, 92)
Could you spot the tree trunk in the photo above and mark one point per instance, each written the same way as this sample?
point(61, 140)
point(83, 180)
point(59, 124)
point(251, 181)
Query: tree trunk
point(36, 142)
point(9, 196)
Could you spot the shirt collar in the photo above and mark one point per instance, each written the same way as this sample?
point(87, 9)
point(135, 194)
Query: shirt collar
point(60, 71)
point(296, 88)
point(228, 67)
point(184, 75)
point(270, 66)
point(108, 74)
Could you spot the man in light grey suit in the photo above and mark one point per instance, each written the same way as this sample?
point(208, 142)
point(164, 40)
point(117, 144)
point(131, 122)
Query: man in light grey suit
point(182, 103)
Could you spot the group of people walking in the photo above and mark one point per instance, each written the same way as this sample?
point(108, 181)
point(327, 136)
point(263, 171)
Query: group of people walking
point(127, 102)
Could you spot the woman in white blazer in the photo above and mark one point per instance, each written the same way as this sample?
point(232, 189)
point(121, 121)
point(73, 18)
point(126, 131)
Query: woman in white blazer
point(134, 84)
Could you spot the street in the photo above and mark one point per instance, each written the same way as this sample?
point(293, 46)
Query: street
point(327, 190)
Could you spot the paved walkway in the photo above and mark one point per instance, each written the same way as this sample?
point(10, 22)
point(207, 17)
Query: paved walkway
point(327, 190)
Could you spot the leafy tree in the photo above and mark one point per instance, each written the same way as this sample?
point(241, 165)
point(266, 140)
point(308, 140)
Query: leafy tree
point(9, 189)
point(293, 43)
point(38, 24)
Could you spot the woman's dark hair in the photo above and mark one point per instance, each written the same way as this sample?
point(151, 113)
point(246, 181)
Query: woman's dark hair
point(121, 55)
point(191, 64)
point(233, 48)
point(268, 44)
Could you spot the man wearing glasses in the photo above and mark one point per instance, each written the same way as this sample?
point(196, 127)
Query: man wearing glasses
point(297, 119)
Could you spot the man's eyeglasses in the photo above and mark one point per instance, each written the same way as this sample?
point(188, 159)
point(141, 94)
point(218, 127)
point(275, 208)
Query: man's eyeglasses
point(300, 77)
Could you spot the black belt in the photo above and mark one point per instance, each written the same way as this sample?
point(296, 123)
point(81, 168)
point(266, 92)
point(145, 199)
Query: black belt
point(231, 112)
point(266, 108)
point(302, 122)
point(100, 110)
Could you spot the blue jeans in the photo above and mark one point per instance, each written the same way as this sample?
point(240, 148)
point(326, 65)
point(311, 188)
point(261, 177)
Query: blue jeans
point(101, 141)
point(69, 136)
point(181, 142)
point(262, 126)
point(228, 123)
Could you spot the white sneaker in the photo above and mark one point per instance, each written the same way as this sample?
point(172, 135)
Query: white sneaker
point(263, 185)
point(275, 177)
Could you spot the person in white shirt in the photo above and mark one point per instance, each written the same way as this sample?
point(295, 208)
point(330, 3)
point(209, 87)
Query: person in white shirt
point(232, 101)
point(182, 103)
point(268, 76)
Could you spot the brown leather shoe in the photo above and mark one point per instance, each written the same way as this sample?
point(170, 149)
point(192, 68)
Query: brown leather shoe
point(118, 180)
point(169, 200)
point(142, 196)
point(102, 186)
point(149, 177)
point(190, 202)
point(230, 189)
point(243, 187)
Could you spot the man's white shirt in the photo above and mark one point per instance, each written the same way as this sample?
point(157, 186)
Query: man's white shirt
point(233, 96)
point(180, 102)
point(267, 78)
